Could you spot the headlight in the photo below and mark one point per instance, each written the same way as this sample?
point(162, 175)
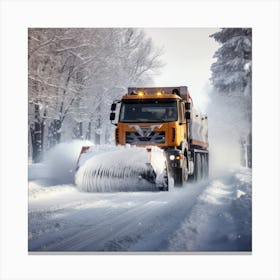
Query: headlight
point(172, 157)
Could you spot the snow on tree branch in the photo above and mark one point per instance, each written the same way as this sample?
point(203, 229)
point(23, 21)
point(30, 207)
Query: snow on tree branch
point(75, 73)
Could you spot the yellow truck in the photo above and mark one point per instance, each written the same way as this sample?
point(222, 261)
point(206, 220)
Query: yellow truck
point(165, 117)
point(159, 138)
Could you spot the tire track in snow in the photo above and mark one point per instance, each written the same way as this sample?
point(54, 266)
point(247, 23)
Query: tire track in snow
point(129, 218)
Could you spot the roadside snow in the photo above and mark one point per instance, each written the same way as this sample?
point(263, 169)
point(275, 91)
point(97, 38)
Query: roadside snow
point(221, 219)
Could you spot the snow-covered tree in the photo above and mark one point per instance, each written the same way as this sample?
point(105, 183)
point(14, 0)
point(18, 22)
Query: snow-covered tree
point(232, 80)
point(41, 64)
point(74, 75)
point(232, 70)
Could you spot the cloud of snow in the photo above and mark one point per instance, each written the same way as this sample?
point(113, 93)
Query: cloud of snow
point(224, 147)
point(227, 125)
point(61, 160)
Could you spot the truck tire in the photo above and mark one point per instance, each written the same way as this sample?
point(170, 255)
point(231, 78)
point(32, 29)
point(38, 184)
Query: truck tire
point(203, 165)
point(198, 167)
point(181, 174)
point(206, 166)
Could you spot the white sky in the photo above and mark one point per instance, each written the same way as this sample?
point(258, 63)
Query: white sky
point(188, 55)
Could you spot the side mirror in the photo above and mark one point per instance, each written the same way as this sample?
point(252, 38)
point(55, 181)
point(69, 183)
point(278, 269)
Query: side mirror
point(188, 116)
point(187, 105)
point(113, 107)
point(112, 116)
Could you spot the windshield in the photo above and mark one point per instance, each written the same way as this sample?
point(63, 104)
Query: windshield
point(149, 111)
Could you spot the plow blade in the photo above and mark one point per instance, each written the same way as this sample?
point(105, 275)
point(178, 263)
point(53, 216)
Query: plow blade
point(123, 169)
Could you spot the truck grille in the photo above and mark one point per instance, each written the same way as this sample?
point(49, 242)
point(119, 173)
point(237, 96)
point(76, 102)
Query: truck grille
point(155, 137)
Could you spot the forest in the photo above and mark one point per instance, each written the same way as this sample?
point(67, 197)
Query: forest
point(74, 74)
point(73, 77)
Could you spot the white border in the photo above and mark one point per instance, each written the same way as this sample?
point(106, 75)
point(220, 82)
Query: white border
point(263, 16)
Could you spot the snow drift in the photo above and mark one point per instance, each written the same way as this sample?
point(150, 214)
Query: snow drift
point(221, 220)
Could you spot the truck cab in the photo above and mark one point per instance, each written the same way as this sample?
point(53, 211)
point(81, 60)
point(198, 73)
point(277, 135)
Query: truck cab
point(151, 117)
point(158, 117)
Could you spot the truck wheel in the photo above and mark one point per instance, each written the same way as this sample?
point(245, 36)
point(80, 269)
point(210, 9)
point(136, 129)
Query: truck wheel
point(198, 167)
point(181, 174)
point(205, 168)
point(185, 170)
point(204, 165)
point(178, 178)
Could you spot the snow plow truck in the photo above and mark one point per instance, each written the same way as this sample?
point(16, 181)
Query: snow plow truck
point(158, 136)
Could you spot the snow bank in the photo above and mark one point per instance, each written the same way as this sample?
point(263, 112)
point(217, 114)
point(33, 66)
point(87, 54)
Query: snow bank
point(60, 162)
point(222, 218)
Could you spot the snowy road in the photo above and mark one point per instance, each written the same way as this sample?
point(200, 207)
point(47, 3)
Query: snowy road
point(213, 215)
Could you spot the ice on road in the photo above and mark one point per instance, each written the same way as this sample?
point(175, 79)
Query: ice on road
point(214, 215)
